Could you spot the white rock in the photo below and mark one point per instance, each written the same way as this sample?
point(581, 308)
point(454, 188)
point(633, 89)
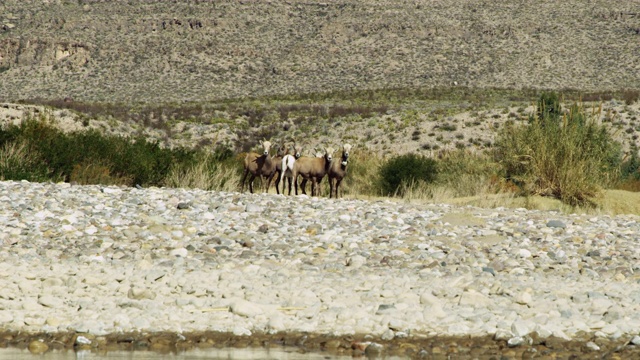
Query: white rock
point(524, 253)
point(50, 301)
point(388, 335)
point(475, 299)
point(515, 341)
point(245, 308)
point(5, 317)
point(521, 327)
point(241, 331)
point(524, 297)
point(592, 346)
point(82, 340)
point(180, 252)
point(111, 190)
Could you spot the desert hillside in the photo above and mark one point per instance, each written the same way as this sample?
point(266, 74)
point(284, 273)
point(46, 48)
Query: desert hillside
point(160, 51)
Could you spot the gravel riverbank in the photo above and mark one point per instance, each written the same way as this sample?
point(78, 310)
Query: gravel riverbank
point(100, 260)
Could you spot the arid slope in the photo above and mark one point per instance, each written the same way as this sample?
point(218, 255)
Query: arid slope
point(160, 51)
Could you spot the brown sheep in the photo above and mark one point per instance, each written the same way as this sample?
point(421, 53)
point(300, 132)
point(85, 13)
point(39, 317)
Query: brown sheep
point(259, 165)
point(338, 171)
point(312, 168)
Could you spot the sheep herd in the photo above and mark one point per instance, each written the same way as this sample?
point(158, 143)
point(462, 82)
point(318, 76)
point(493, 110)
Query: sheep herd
point(289, 164)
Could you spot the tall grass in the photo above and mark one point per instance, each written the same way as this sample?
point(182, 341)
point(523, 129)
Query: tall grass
point(208, 174)
point(459, 174)
point(18, 162)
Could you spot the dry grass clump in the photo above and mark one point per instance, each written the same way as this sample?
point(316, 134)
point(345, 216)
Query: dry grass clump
point(208, 173)
point(201, 176)
point(94, 173)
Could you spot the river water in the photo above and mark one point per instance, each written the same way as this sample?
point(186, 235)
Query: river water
point(228, 354)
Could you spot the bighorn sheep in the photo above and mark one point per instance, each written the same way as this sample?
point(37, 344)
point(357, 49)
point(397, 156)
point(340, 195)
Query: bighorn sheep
point(287, 164)
point(312, 168)
point(282, 152)
point(338, 171)
point(319, 153)
point(259, 165)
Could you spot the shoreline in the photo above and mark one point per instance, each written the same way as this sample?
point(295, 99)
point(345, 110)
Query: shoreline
point(461, 347)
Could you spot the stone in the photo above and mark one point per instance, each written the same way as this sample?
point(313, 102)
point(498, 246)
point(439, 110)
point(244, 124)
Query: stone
point(183, 206)
point(139, 293)
point(556, 224)
point(356, 261)
point(253, 208)
point(520, 328)
point(50, 301)
point(373, 350)
point(474, 298)
point(245, 308)
point(516, 341)
point(180, 252)
point(592, 346)
point(38, 347)
point(388, 335)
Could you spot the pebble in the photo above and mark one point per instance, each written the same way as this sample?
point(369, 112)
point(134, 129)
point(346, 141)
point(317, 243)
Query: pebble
point(154, 259)
point(38, 347)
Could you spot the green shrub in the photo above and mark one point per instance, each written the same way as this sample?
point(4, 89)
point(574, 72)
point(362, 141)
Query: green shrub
point(569, 157)
point(90, 157)
point(549, 107)
point(630, 167)
point(406, 169)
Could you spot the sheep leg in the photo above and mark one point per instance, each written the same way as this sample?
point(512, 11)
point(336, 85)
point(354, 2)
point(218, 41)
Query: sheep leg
point(318, 187)
point(267, 183)
point(303, 185)
point(253, 178)
point(314, 190)
point(338, 181)
point(278, 184)
point(289, 181)
point(251, 183)
point(331, 181)
point(246, 172)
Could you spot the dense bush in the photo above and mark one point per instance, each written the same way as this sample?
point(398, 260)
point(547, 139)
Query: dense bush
point(85, 156)
point(568, 156)
point(404, 170)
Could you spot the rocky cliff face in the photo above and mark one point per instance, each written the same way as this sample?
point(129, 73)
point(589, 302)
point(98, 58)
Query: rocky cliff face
point(200, 50)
